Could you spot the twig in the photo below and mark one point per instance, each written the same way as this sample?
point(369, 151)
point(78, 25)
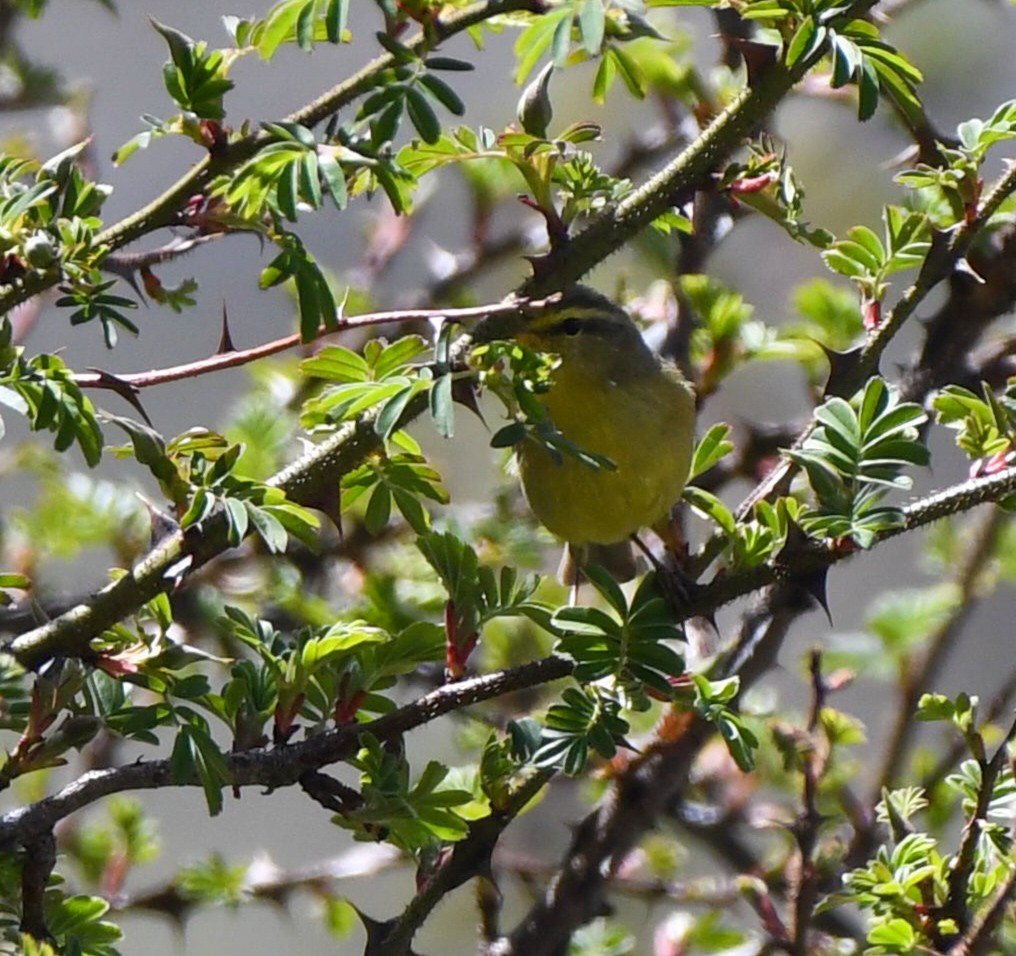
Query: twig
point(1001, 702)
point(307, 480)
point(955, 908)
point(469, 858)
point(980, 938)
point(918, 677)
point(805, 889)
point(266, 881)
point(238, 357)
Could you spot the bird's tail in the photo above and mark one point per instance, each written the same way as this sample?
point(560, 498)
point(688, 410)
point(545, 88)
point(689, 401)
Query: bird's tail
point(617, 559)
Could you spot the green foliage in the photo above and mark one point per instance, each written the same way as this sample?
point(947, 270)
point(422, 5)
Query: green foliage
point(517, 376)
point(868, 261)
point(768, 184)
point(195, 77)
point(711, 449)
point(957, 179)
point(861, 57)
point(985, 425)
point(747, 544)
point(715, 701)
point(213, 882)
point(628, 642)
point(197, 472)
point(583, 720)
point(314, 296)
point(385, 375)
point(106, 852)
point(289, 171)
point(306, 22)
point(476, 592)
point(602, 938)
point(854, 457)
point(414, 816)
point(43, 390)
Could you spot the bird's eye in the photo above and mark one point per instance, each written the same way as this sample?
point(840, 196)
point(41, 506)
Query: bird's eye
point(571, 326)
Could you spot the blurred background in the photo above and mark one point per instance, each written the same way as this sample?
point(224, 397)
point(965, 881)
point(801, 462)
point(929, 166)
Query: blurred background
point(113, 61)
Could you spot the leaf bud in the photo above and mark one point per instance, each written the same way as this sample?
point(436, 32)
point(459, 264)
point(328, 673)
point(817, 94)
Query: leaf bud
point(535, 110)
point(40, 250)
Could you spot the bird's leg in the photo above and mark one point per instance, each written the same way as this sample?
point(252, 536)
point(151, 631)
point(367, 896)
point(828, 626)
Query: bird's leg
point(677, 587)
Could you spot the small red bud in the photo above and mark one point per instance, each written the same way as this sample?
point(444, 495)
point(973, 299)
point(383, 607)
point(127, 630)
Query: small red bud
point(752, 184)
point(871, 313)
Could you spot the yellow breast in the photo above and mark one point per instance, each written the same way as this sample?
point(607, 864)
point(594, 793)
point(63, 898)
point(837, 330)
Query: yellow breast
point(644, 425)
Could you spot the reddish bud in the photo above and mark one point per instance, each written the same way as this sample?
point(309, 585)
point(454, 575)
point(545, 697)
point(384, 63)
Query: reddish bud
point(871, 314)
point(752, 184)
point(993, 464)
point(152, 284)
point(213, 135)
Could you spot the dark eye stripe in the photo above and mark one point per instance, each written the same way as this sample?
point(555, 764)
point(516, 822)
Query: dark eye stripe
point(572, 325)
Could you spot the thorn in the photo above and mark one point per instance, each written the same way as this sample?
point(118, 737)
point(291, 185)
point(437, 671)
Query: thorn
point(841, 365)
point(128, 392)
point(464, 393)
point(163, 524)
point(758, 57)
point(225, 339)
point(814, 583)
point(128, 274)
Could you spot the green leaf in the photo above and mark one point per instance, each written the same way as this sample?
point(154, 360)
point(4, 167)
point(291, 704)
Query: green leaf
point(806, 41)
point(236, 513)
point(268, 527)
point(895, 934)
point(423, 118)
point(442, 408)
point(710, 507)
point(591, 23)
point(379, 510)
point(712, 448)
point(628, 69)
point(335, 19)
point(443, 93)
point(391, 413)
point(336, 364)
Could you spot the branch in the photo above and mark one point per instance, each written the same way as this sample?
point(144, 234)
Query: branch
point(643, 792)
point(266, 881)
point(40, 860)
point(568, 262)
point(804, 888)
point(275, 767)
point(239, 357)
point(307, 482)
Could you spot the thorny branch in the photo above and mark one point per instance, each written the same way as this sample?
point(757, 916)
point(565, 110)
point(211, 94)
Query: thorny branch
point(279, 766)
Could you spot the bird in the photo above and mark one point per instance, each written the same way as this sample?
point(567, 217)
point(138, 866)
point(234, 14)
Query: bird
point(613, 396)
